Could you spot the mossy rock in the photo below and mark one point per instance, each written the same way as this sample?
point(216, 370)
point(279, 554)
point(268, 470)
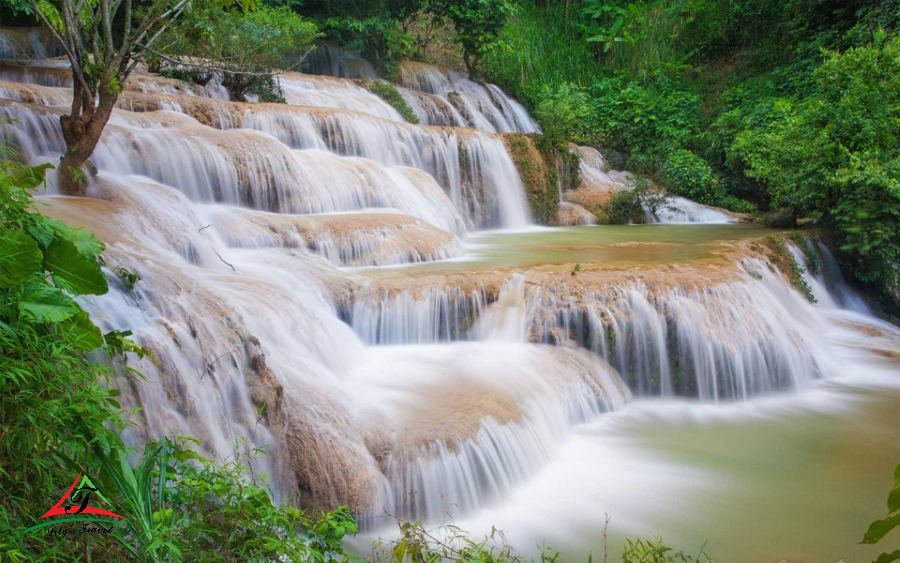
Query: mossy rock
point(540, 179)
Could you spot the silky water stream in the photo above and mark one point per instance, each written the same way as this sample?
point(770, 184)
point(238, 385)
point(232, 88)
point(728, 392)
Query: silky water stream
point(416, 345)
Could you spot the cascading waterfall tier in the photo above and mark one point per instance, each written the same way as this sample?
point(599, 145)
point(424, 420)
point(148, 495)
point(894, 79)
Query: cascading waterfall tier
point(736, 338)
point(484, 107)
point(472, 167)
point(334, 61)
point(469, 421)
point(345, 239)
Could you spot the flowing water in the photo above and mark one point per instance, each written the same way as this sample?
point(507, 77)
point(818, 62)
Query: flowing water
point(370, 302)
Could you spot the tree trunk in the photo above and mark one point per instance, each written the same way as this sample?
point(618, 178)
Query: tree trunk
point(82, 133)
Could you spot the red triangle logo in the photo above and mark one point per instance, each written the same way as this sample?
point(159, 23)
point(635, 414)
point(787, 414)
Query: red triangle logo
point(59, 508)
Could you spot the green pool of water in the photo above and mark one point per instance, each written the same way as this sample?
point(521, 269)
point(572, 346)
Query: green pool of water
point(598, 246)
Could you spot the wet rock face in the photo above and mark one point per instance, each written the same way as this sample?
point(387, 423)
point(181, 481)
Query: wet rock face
point(784, 218)
point(572, 214)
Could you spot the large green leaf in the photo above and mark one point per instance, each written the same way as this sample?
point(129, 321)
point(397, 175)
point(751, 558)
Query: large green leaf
point(73, 271)
point(894, 501)
point(29, 177)
point(84, 241)
point(888, 557)
point(42, 303)
point(81, 331)
point(20, 257)
point(880, 528)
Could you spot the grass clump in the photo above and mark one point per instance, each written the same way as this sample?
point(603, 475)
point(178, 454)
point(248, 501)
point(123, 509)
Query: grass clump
point(391, 95)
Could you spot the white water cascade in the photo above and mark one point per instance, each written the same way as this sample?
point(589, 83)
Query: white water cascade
point(311, 282)
point(484, 107)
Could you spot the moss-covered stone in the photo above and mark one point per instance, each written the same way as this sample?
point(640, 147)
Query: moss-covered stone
point(781, 257)
point(390, 94)
point(539, 178)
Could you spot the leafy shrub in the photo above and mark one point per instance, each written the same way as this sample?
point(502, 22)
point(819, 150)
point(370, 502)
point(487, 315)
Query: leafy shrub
point(183, 507)
point(477, 24)
point(650, 122)
point(837, 153)
point(632, 204)
point(566, 113)
point(688, 175)
point(391, 95)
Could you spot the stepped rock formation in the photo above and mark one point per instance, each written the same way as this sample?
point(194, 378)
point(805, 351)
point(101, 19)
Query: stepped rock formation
point(315, 278)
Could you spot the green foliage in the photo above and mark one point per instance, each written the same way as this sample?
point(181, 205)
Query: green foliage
point(391, 95)
point(450, 543)
point(880, 528)
point(648, 121)
point(837, 153)
point(542, 51)
point(447, 542)
point(477, 24)
point(48, 388)
point(266, 89)
point(688, 175)
point(650, 551)
point(243, 50)
point(379, 38)
point(642, 38)
point(567, 113)
point(633, 203)
point(183, 507)
point(128, 277)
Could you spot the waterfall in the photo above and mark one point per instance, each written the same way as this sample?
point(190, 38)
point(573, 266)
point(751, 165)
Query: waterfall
point(435, 315)
point(474, 168)
point(681, 210)
point(334, 61)
point(309, 282)
point(28, 43)
point(528, 398)
point(316, 91)
point(484, 107)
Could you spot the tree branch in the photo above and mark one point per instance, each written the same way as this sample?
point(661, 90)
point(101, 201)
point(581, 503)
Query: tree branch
point(210, 67)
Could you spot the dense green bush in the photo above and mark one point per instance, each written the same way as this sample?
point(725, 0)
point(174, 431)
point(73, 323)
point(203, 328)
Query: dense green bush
point(182, 507)
point(837, 153)
point(381, 30)
point(688, 175)
point(647, 121)
point(632, 204)
point(567, 113)
point(477, 24)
